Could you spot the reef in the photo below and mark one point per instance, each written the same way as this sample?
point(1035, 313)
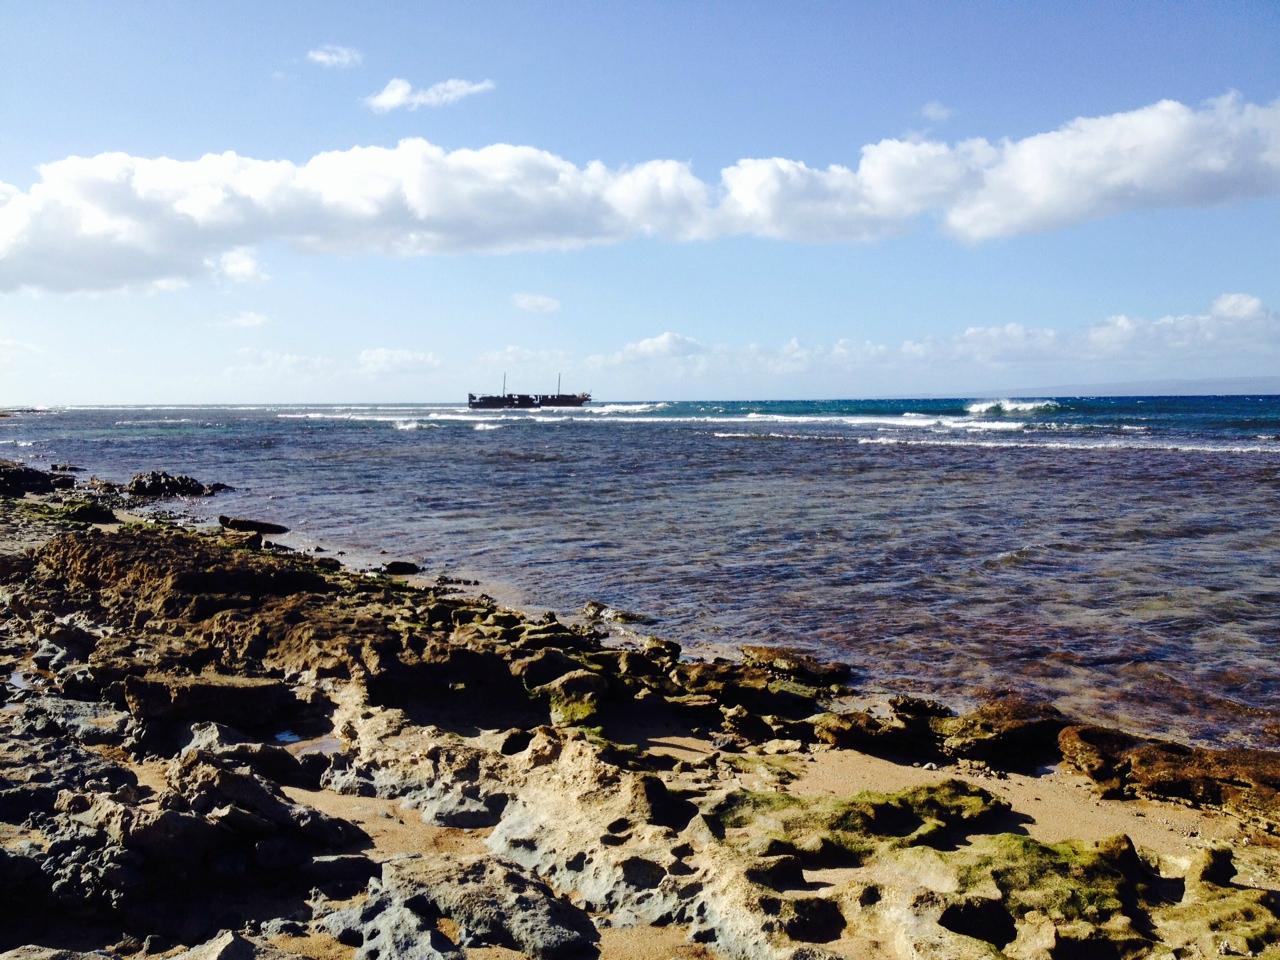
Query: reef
point(213, 747)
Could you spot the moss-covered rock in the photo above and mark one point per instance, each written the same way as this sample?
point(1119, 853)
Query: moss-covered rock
point(1011, 731)
point(846, 830)
point(574, 698)
point(1244, 782)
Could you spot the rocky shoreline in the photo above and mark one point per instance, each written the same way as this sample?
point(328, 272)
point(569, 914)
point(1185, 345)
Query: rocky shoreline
point(212, 747)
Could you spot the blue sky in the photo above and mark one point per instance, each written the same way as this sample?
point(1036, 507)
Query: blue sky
point(1022, 194)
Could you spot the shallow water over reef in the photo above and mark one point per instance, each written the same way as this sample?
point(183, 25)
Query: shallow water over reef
point(1120, 555)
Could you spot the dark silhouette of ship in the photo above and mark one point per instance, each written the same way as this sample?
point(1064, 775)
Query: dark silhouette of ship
point(525, 401)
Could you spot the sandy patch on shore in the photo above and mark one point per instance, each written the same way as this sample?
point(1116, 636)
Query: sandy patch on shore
point(392, 831)
point(623, 943)
point(1059, 805)
point(315, 946)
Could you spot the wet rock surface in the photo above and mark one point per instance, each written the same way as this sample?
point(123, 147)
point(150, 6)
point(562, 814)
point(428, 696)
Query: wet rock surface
point(209, 749)
point(1245, 782)
point(158, 484)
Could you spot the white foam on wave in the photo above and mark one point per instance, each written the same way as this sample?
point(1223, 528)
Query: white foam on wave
point(415, 425)
point(489, 426)
point(945, 441)
point(910, 421)
point(1069, 445)
point(611, 408)
point(981, 407)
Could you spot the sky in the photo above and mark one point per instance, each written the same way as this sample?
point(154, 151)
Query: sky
point(335, 202)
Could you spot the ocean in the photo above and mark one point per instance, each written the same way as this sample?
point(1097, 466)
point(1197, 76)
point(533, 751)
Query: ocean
point(1120, 556)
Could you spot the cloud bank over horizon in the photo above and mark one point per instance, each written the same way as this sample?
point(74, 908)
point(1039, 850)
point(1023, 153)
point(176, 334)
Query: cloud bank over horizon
point(115, 220)
point(1121, 346)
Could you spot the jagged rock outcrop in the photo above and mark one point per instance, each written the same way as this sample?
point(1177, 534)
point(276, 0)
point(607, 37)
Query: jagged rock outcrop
point(17, 479)
point(489, 902)
point(159, 485)
point(1244, 782)
point(227, 747)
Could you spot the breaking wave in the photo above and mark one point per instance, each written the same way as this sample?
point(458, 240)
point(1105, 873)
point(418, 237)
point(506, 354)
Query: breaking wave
point(981, 407)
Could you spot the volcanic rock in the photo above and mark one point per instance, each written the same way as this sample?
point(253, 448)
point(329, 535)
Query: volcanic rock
point(17, 479)
point(1243, 782)
point(244, 525)
point(400, 568)
point(160, 485)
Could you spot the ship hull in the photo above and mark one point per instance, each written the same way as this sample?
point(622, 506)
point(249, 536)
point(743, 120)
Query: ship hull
point(524, 401)
point(563, 399)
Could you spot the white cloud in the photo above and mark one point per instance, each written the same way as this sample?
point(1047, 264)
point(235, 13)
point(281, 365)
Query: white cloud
point(663, 346)
point(332, 55)
point(238, 265)
point(1236, 325)
point(1167, 154)
point(400, 93)
point(384, 361)
point(246, 320)
point(895, 181)
point(936, 112)
point(535, 302)
point(115, 220)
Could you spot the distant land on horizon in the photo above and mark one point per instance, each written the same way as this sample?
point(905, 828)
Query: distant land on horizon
point(1204, 387)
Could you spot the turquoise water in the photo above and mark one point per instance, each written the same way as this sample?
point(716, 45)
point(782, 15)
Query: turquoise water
point(1120, 556)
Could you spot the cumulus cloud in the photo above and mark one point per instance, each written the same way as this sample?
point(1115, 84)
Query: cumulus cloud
point(1236, 324)
point(987, 345)
point(400, 93)
point(535, 302)
point(664, 346)
point(1162, 155)
point(385, 361)
point(332, 55)
point(115, 220)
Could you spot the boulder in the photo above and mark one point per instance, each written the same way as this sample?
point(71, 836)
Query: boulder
point(1011, 732)
point(796, 664)
point(595, 610)
point(574, 697)
point(231, 946)
point(247, 703)
point(400, 568)
point(17, 479)
point(225, 747)
point(492, 902)
point(158, 484)
point(245, 525)
point(90, 511)
point(381, 929)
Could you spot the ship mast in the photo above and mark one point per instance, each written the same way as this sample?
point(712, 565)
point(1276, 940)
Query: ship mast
point(504, 385)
